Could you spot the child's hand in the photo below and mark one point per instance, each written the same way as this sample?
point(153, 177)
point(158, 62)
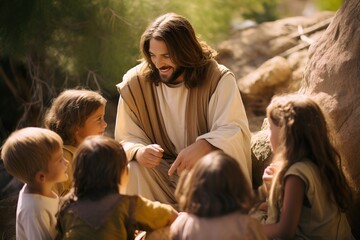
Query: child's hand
point(269, 174)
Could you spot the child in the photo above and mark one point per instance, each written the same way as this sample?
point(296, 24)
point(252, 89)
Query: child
point(309, 193)
point(96, 210)
point(216, 198)
point(35, 156)
point(74, 115)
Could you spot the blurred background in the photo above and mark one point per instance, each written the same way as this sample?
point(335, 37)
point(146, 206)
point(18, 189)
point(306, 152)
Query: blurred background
point(47, 46)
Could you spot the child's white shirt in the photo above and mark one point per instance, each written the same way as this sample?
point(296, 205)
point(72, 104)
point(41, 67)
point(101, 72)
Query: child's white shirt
point(35, 216)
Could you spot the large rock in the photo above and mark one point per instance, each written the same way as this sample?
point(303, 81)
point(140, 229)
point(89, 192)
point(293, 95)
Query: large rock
point(333, 77)
point(331, 73)
point(270, 58)
point(273, 72)
point(261, 154)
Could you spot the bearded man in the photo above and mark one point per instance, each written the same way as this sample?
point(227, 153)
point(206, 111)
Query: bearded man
point(176, 106)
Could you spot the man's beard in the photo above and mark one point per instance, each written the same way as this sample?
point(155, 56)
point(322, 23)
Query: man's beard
point(173, 77)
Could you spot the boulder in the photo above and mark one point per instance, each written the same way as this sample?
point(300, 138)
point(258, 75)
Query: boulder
point(332, 76)
point(270, 58)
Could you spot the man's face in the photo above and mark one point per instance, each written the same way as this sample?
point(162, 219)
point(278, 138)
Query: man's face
point(160, 57)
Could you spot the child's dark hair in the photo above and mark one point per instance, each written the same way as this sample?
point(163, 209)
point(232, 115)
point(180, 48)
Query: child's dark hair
point(215, 186)
point(98, 165)
point(304, 134)
point(70, 110)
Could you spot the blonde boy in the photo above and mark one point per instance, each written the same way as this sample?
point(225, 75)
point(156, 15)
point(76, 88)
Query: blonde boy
point(35, 157)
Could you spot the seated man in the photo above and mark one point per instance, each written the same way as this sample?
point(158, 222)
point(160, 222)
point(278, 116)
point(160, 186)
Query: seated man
point(176, 106)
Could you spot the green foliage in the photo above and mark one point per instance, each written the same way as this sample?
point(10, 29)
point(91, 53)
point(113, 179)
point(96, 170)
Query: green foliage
point(210, 18)
point(330, 5)
point(262, 11)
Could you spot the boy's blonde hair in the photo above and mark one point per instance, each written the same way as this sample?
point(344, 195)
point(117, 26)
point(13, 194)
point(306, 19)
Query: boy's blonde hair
point(28, 151)
point(70, 110)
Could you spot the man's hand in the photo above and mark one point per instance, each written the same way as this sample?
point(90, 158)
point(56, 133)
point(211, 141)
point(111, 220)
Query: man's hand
point(190, 155)
point(150, 155)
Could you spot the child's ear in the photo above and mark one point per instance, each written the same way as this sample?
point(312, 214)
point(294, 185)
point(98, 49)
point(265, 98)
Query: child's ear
point(40, 177)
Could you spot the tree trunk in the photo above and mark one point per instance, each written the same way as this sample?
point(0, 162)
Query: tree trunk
point(332, 75)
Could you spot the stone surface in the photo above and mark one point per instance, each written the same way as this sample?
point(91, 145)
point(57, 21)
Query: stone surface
point(332, 76)
point(247, 50)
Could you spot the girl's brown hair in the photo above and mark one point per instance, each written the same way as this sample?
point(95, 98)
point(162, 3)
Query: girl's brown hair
point(185, 49)
point(98, 165)
point(215, 186)
point(70, 110)
point(304, 134)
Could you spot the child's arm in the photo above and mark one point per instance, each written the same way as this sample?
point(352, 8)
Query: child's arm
point(290, 213)
point(154, 214)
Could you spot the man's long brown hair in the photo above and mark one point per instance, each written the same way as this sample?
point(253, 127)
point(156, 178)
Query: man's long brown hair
point(185, 48)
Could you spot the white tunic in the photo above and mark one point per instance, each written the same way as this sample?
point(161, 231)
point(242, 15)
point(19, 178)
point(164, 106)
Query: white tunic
point(35, 216)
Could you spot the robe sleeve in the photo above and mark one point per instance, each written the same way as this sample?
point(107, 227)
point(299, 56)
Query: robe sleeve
point(229, 129)
point(127, 132)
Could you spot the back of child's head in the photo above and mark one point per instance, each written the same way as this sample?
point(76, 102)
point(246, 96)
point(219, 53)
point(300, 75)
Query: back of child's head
point(28, 151)
point(215, 186)
point(303, 128)
point(98, 165)
point(70, 110)
point(305, 134)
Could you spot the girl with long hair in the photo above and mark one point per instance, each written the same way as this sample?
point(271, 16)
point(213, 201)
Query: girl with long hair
point(309, 192)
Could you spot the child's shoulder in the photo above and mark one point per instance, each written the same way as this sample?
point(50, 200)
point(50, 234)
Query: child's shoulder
point(25, 195)
point(306, 170)
point(36, 203)
point(304, 165)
